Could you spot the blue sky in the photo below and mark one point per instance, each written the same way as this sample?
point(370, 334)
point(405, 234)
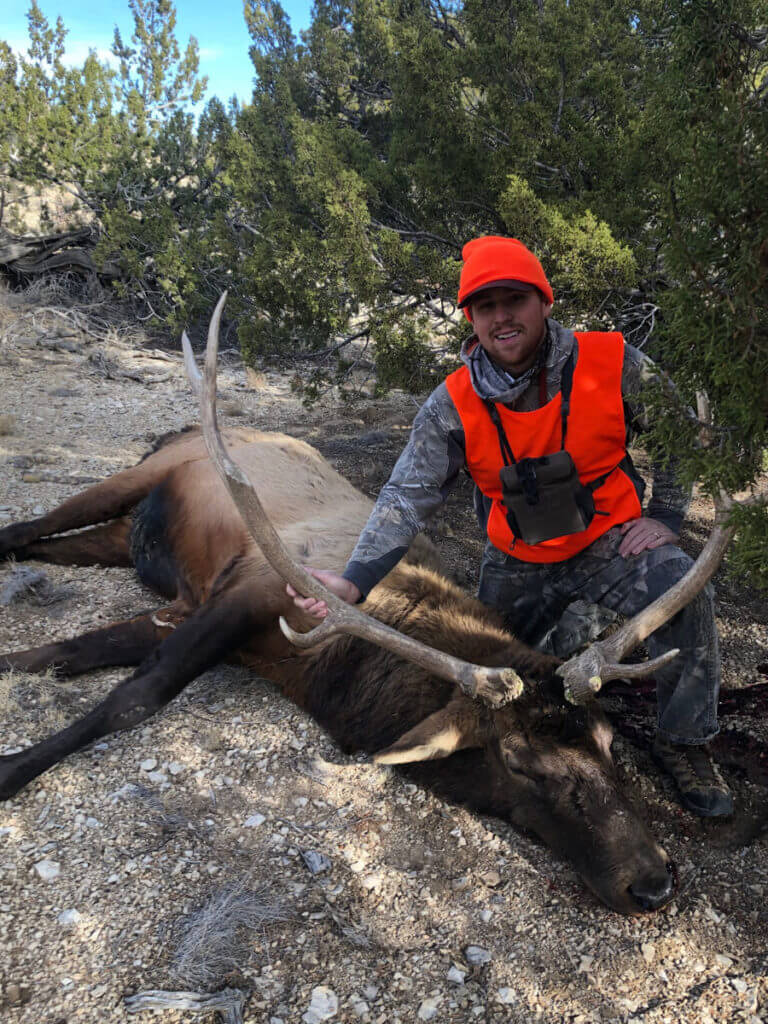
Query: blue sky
point(218, 26)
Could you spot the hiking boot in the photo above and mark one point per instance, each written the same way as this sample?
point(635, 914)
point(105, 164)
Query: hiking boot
point(702, 787)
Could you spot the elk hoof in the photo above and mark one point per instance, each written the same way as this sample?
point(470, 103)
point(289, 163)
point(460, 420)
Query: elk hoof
point(16, 537)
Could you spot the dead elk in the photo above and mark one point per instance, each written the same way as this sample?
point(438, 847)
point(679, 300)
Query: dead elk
point(535, 761)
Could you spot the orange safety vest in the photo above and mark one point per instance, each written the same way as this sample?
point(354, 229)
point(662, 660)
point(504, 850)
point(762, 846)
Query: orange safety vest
point(596, 440)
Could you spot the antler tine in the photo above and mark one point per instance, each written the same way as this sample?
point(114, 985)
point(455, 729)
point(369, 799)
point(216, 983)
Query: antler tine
point(193, 374)
point(584, 675)
point(494, 685)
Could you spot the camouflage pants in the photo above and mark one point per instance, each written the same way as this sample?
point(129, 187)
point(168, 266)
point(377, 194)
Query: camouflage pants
point(535, 600)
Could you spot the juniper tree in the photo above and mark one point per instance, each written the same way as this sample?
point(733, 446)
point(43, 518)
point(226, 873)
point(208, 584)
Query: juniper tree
point(125, 143)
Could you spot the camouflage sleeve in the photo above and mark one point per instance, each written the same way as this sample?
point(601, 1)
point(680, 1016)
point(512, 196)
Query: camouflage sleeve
point(419, 484)
point(669, 500)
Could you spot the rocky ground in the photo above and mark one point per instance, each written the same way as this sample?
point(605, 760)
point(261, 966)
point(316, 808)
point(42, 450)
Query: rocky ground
point(227, 844)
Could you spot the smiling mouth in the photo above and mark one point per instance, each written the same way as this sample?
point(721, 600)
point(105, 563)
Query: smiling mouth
point(508, 336)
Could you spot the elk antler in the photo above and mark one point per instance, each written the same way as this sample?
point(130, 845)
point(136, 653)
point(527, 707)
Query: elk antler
point(494, 685)
point(585, 674)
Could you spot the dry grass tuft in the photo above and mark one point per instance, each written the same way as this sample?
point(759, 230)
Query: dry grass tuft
point(214, 940)
point(33, 585)
point(257, 379)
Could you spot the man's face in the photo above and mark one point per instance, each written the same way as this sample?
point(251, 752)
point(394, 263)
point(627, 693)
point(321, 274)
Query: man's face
point(510, 325)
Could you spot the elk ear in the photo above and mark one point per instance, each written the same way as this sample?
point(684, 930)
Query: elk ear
point(460, 724)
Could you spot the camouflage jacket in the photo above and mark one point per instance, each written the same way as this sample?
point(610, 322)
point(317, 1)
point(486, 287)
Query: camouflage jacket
point(435, 454)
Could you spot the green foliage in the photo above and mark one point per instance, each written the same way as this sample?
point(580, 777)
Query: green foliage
point(703, 150)
point(393, 132)
point(404, 358)
point(627, 143)
point(126, 147)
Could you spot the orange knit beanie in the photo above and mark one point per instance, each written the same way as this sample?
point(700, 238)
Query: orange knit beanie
point(492, 261)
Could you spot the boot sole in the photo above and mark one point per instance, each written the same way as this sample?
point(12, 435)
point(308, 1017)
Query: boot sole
point(701, 812)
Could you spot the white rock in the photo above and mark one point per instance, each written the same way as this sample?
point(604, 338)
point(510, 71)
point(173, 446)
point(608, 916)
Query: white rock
point(175, 768)
point(48, 869)
point(429, 1008)
point(649, 952)
point(254, 821)
point(477, 956)
point(371, 991)
point(456, 976)
point(585, 964)
point(507, 996)
point(323, 1005)
point(157, 777)
point(360, 1007)
point(486, 915)
point(739, 984)
point(149, 764)
point(67, 917)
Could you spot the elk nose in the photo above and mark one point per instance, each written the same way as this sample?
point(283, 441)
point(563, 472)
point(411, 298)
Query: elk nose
point(655, 890)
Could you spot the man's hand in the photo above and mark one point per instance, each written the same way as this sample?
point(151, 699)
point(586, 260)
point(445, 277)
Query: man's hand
point(337, 584)
point(644, 534)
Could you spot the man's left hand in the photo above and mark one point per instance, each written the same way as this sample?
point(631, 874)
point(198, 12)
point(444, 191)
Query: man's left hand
point(644, 534)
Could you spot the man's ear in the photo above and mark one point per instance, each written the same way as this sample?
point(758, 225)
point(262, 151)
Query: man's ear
point(547, 308)
point(454, 727)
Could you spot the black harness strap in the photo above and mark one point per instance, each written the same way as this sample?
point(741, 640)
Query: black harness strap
point(566, 386)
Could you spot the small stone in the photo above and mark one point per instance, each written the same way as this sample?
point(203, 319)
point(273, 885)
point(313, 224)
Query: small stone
point(360, 1008)
point(462, 883)
point(485, 916)
point(476, 956)
point(315, 861)
point(649, 952)
point(323, 1005)
point(48, 869)
point(585, 964)
point(68, 917)
point(739, 984)
point(723, 961)
point(254, 821)
point(157, 777)
point(507, 996)
point(371, 991)
point(456, 976)
point(491, 878)
point(429, 1008)
point(149, 764)
point(175, 768)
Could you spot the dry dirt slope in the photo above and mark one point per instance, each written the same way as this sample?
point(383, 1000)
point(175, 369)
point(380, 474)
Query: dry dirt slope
point(105, 860)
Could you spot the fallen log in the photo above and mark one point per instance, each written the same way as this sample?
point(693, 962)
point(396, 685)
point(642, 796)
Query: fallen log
point(35, 255)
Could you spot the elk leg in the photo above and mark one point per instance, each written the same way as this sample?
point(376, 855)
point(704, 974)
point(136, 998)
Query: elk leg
point(107, 500)
point(198, 644)
point(122, 643)
point(107, 544)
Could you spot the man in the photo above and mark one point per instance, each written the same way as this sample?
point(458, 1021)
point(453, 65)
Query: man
point(529, 388)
